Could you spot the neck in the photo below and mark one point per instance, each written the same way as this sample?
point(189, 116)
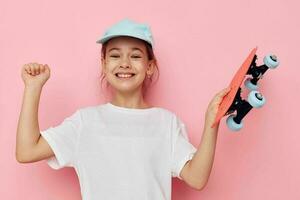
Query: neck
point(134, 99)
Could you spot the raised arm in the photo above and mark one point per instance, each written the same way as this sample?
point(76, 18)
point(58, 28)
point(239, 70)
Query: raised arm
point(30, 146)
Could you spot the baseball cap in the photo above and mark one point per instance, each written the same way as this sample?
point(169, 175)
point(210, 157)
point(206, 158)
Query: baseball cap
point(128, 27)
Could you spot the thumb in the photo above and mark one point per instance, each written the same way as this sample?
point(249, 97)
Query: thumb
point(224, 91)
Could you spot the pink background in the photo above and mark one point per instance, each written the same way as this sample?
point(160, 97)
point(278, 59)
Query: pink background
point(199, 46)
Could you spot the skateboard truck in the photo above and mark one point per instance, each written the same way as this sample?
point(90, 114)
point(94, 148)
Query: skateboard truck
point(242, 107)
point(270, 62)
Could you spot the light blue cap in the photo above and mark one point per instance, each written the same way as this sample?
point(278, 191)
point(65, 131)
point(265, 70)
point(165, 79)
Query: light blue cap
point(127, 27)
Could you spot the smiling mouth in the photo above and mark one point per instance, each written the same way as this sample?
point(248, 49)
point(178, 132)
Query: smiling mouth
point(124, 76)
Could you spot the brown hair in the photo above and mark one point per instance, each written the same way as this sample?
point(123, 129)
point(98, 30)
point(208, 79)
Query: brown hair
point(147, 81)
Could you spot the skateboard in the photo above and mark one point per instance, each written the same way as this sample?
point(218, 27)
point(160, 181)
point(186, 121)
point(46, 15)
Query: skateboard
point(233, 101)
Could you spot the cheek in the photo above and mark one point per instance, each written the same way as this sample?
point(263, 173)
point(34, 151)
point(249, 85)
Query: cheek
point(111, 62)
point(143, 65)
point(110, 66)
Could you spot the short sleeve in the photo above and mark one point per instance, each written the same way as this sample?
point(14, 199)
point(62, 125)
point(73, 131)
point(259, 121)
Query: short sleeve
point(63, 141)
point(182, 150)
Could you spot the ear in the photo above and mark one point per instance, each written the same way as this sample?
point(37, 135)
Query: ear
point(103, 65)
point(151, 67)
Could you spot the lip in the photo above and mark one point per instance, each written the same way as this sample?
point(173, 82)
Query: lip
point(125, 78)
point(124, 73)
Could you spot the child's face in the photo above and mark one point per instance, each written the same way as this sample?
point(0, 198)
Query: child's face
point(128, 55)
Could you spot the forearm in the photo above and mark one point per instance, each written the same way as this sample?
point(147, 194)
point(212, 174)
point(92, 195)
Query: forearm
point(202, 162)
point(28, 127)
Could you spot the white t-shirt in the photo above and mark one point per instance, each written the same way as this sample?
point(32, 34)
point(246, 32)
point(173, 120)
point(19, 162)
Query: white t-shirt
point(121, 153)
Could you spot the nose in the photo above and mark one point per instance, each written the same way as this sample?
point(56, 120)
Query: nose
point(125, 62)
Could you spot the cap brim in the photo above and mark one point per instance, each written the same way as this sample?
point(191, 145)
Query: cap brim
point(105, 39)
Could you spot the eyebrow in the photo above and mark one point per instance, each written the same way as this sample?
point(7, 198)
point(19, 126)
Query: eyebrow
point(133, 48)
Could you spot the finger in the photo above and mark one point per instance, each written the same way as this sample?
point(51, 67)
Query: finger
point(27, 67)
point(47, 67)
point(42, 68)
point(24, 68)
point(39, 68)
point(224, 92)
point(219, 97)
point(36, 68)
point(30, 68)
point(27, 71)
point(226, 89)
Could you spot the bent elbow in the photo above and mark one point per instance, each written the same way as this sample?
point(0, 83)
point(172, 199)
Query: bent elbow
point(200, 186)
point(22, 158)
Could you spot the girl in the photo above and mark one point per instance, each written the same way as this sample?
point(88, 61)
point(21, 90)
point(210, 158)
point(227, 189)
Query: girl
point(123, 149)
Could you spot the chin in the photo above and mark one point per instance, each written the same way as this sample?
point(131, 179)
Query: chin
point(125, 88)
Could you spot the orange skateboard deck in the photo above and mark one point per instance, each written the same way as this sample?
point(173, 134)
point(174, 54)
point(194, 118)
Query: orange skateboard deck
point(234, 86)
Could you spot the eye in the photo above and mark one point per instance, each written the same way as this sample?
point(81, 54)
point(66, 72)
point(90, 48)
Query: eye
point(136, 56)
point(114, 56)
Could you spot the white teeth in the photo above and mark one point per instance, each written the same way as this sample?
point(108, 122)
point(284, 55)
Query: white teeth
point(124, 75)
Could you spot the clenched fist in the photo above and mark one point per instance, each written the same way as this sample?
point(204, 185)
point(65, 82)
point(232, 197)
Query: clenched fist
point(35, 74)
